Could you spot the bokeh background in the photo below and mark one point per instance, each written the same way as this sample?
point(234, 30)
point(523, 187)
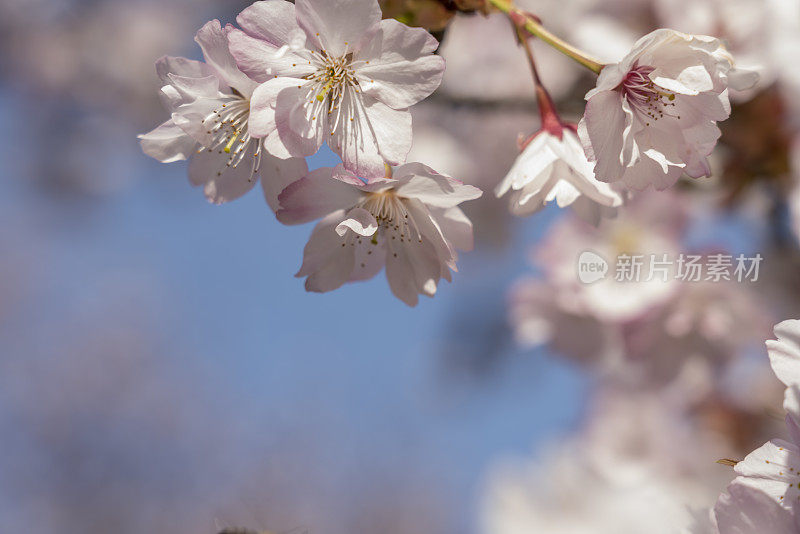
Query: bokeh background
point(162, 371)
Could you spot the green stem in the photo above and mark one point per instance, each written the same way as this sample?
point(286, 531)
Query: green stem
point(534, 27)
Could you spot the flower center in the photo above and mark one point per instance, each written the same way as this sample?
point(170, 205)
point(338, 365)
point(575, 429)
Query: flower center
point(394, 219)
point(330, 86)
point(228, 128)
point(647, 97)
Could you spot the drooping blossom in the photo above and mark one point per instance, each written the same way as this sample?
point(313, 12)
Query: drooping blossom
point(766, 492)
point(653, 115)
point(333, 72)
point(553, 166)
point(209, 104)
point(409, 223)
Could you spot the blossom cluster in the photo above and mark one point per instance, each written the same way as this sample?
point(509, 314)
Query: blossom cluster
point(290, 78)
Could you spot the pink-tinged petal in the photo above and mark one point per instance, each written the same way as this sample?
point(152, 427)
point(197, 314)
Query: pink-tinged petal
point(221, 182)
point(192, 88)
point(188, 68)
point(191, 118)
point(304, 115)
point(295, 144)
point(272, 21)
point(400, 276)
point(213, 41)
point(791, 404)
point(434, 189)
point(692, 80)
point(744, 509)
point(341, 173)
point(392, 130)
point(742, 79)
point(261, 60)
point(338, 26)
point(784, 353)
point(359, 221)
point(277, 174)
point(354, 140)
point(601, 130)
point(262, 105)
point(430, 233)
point(326, 262)
point(370, 257)
point(455, 226)
point(400, 69)
point(774, 467)
point(168, 143)
point(412, 268)
point(647, 172)
point(314, 197)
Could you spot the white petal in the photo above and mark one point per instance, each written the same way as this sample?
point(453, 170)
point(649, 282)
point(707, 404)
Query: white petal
point(744, 509)
point(326, 262)
point(401, 69)
point(315, 196)
point(434, 189)
point(359, 221)
point(221, 182)
point(277, 174)
point(213, 40)
point(338, 26)
point(601, 134)
point(168, 143)
point(784, 354)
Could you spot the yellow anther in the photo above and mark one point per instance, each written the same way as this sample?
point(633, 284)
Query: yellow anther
point(231, 142)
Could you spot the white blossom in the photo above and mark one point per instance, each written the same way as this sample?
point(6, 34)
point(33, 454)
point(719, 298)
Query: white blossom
point(653, 115)
point(349, 84)
point(410, 223)
point(209, 104)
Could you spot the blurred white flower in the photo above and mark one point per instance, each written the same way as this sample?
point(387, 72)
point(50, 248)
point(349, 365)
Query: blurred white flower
point(636, 466)
point(410, 223)
point(650, 225)
point(210, 124)
point(349, 85)
point(653, 115)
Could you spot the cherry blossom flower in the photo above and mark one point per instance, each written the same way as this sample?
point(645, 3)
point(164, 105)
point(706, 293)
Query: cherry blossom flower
point(766, 492)
point(209, 104)
point(653, 115)
point(411, 224)
point(636, 463)
point(333, 71)
point(553, 166)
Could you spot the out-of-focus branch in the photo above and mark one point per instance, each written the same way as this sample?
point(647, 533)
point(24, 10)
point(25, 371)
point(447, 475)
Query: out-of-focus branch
point(533, 26)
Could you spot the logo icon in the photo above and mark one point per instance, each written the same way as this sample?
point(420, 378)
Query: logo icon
point(591, 267)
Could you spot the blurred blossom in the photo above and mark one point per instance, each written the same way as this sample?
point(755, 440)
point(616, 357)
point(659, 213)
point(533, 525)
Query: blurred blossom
point(97, 53)
point(652, 223)
point(636, 466)
point(646, 332)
